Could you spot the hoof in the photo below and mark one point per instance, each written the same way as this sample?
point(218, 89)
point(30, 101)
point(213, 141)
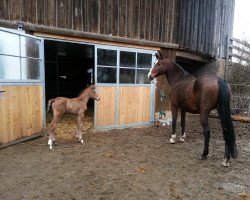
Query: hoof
point(225, 163)
point(82, 141)
point(182, 139)
point(184, 135)
point(172, 140)
point(50, 144)
point(203, 157)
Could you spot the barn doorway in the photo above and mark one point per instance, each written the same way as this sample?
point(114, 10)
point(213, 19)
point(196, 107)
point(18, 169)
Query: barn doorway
point(69, 68)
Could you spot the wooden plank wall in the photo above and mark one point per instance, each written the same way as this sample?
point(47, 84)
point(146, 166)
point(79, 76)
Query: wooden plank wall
point(134, 105)
point(162, 84)
point(206, 25)
point(106, 107)
point(21, 111)
point(153, 20)
point(133, 108)
point(199, 25)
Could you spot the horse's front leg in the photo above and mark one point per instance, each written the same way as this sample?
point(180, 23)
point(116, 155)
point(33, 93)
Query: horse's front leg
point(183, 123)
point(174, 111)
point(206, 133)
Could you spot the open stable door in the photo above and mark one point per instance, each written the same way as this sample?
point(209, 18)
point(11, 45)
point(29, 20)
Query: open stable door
point(21, 86)
point(127, 96)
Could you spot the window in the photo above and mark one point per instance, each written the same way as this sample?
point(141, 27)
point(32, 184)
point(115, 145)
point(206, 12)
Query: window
point(134, 67)
point(19, 57)
point(106, 65)
point(144, 64)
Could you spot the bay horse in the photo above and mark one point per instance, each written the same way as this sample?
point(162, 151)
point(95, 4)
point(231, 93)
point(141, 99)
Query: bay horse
point(77, 106)
point(199, 96)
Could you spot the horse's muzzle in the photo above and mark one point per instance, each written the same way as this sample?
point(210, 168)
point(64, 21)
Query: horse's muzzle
point(150, 77)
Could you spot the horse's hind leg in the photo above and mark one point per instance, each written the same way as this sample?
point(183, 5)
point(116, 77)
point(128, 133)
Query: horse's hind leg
point(52, 129)
point(206, 133)
point(183, 123)
point(225, 161)
point(174, 110)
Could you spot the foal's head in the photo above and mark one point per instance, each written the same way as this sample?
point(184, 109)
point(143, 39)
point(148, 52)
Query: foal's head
point(91, 92)
point(160, 66)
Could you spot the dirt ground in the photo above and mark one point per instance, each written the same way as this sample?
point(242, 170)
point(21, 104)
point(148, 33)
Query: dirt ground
point(132, 163)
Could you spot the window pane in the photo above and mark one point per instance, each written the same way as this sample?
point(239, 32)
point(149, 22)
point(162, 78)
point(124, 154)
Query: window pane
point(9, 43)
point(127, 75)
point(106, 75)
point(144, 60)
point(142, 77)
point(106, 57)
point(30, 68)
point(29, 47)
point(127, 59)
point(9, 67)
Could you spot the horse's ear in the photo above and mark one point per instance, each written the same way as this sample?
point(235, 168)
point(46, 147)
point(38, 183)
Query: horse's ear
point(159, 55)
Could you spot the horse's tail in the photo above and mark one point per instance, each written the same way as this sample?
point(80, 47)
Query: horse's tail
point(223, 109)
point(49, 104)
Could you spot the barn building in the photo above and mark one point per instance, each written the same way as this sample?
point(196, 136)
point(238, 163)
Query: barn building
point(52, 48)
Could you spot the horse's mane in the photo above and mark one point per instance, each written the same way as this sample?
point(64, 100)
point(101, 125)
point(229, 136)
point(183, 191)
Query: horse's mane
point(83, 90)
point(186, 73)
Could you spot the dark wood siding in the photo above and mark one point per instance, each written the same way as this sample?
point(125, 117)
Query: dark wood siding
point(140, 19)
point(198, 25)
point(205, 25)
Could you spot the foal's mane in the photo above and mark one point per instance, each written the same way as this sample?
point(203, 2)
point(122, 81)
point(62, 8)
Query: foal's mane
point(82, 91)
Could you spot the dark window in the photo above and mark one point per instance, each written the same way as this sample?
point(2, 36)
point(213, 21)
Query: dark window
point(106, 75)
point(106, 57)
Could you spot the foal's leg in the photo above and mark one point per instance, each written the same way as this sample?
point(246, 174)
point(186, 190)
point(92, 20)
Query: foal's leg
point(79, 127)
point(52, 130)
point(174, 111)
point(183, 122)
point(206, 133)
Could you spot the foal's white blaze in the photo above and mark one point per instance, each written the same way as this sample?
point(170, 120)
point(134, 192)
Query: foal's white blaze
point(50, 144)
point(152, 68)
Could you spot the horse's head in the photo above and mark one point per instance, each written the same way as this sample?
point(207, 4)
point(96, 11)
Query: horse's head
point(92, 94)
point(159, 66)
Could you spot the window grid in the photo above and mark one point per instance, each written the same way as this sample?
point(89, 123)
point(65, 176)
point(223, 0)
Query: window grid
point(20, 57)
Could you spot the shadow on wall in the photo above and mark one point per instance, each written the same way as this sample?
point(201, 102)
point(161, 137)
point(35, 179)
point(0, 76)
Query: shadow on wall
point(213, 67)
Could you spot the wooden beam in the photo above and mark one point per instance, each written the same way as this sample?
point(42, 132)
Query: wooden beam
point(68, 32)
point(241, 57)
point(244, 43)
point(193, 56)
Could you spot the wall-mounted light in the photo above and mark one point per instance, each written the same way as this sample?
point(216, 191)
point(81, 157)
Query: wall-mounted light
point(20, 25)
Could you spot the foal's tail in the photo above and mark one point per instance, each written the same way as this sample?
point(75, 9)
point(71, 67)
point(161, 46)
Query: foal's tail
point(49, 104)
point(223, 108)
